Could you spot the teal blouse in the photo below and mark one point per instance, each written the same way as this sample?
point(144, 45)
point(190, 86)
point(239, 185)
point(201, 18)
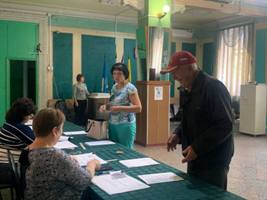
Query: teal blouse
point(121, 97)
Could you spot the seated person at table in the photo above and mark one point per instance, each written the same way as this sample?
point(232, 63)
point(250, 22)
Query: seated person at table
point(15, 135)
point(49, 173)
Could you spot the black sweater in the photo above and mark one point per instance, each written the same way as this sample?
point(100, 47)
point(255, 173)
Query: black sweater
point(207, 121)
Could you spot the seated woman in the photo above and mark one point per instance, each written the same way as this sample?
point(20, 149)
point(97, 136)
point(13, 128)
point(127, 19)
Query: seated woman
point(15, 134)
point(49, 173)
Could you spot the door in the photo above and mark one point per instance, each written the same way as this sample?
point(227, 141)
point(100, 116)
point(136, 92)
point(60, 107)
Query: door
point(22, 79)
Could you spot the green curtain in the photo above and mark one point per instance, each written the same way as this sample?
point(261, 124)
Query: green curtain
point(62, 59)
point(94, 50)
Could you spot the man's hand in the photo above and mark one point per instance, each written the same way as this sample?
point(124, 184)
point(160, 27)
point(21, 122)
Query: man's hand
point(189, 154)
point(172, 142)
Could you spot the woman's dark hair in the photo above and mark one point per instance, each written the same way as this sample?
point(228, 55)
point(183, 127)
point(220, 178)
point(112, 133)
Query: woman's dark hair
point(20, 109)
point(78, 77)
point(120, 67)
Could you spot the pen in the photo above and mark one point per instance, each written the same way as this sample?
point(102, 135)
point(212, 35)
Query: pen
point(81, 144)
point(111, 160)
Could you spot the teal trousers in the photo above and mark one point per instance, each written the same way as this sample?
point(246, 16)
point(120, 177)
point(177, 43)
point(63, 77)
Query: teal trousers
point(123, 133)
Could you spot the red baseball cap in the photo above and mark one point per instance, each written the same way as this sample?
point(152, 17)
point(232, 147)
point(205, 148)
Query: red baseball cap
point(179, 58)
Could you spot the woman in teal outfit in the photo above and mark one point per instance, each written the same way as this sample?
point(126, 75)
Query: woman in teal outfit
point(124, 103)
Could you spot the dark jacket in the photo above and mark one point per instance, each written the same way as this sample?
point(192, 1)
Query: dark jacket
point(207, 121)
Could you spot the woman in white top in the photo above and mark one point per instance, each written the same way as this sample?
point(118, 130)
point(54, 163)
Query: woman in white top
point(80, 94)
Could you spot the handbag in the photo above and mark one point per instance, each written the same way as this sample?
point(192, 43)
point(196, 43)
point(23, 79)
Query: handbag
point(97, 129)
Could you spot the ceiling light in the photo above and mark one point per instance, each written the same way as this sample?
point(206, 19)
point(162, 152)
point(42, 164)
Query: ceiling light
point(166, 8)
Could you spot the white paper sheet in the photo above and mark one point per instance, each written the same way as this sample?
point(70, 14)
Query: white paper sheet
point(160, 178)
point(63, 138)
point(114, 184)
point(139, 162)
point(75, 133)
point(65, 145)
point(102, 142)
point(84, 158)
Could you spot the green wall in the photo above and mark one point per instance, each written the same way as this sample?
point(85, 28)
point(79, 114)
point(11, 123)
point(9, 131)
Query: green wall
point(260, 59)
point(95, 24)
point(3, 55)
point(22, 40)
point(155, 7)
point(18, 42)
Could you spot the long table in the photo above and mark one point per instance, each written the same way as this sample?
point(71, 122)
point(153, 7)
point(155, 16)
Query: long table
point(189, 188)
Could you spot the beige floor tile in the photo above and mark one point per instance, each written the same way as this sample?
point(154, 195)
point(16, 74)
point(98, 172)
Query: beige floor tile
point(248, 170)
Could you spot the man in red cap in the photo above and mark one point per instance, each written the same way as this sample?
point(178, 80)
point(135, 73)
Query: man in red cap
point(205, 131)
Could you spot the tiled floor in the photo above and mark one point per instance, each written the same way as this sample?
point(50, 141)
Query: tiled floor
point(248, 170)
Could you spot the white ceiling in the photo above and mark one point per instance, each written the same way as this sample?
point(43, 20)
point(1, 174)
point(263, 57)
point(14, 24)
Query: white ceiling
point(196, 17)
point(204, 13)
point(193, 15)
point(92, 6)
point(257, 3)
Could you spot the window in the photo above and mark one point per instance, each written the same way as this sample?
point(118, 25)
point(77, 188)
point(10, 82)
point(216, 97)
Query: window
point(234, 57)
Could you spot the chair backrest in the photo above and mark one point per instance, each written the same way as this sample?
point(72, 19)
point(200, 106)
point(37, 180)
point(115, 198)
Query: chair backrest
point(61, 105)
point(24, 164)
point(4, 153)
point(13, 165)
point(15, 169)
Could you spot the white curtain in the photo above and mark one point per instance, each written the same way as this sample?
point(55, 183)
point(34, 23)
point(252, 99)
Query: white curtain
point(156, 40)
point(234, 57)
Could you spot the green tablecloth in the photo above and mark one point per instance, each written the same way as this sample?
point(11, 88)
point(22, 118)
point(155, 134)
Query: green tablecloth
point(189, 188)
